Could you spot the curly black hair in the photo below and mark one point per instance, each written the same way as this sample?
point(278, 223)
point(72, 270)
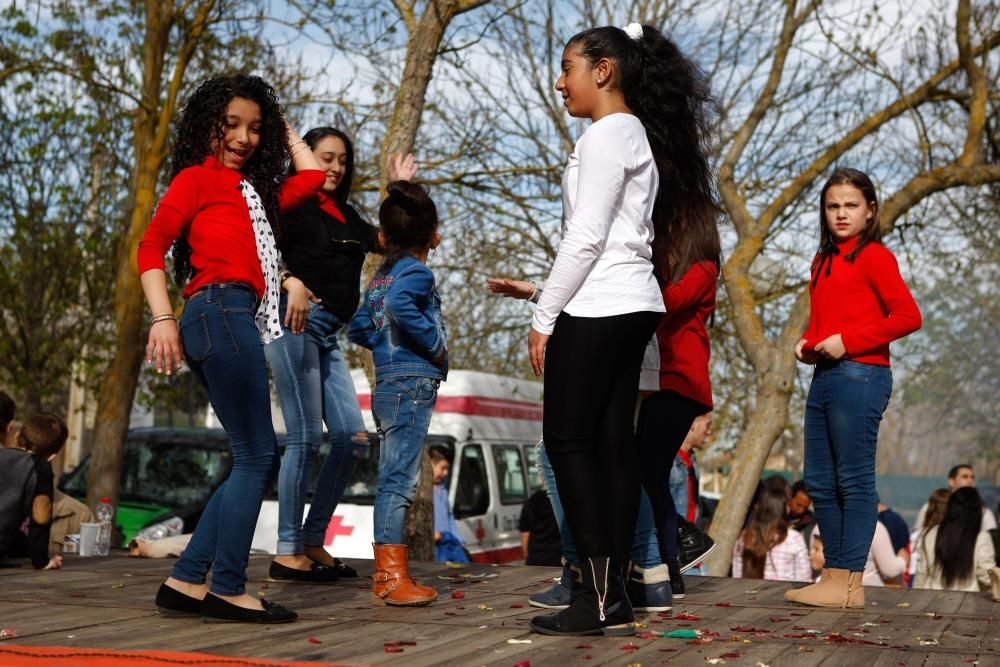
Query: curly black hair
point(672, 98)
point(202, 124)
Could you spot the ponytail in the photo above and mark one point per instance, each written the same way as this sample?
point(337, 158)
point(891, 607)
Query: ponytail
point(671, 97)
point(408, 219)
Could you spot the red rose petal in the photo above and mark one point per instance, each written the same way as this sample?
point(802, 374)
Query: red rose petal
point(630, 647)
point(313, 640)
point(684, 616)
point(723, 604)
point(392, 649)
point(458, 595)
point(516, 606)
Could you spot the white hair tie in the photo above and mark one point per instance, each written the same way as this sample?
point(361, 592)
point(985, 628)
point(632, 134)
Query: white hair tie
point(634, 31)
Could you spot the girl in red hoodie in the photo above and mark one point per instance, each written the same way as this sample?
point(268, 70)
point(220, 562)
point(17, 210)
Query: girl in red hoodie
point(859, 305)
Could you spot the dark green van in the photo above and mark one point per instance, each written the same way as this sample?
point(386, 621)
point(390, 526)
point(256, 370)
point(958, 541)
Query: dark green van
point(168, 476)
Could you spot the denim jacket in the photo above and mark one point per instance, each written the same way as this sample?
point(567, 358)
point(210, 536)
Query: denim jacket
point(399, 320)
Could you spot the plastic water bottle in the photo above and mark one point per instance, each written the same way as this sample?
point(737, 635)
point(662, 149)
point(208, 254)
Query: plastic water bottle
point(105, 517)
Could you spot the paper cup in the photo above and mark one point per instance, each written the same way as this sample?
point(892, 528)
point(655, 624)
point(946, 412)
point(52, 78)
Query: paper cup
point(71, 545)
point(88, 538)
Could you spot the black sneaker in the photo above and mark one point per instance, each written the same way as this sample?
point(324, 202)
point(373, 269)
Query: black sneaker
point(676, 581)
point(692, 545)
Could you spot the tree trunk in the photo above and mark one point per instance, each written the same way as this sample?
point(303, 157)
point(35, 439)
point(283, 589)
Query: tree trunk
point(152, 123)
point(420, 516)
point(766, 423)
point(114, 403)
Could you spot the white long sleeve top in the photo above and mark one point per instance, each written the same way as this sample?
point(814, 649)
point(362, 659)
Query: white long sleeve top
point(604, 263)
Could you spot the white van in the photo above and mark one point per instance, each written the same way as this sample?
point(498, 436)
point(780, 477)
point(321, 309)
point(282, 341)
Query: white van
point(491, 423)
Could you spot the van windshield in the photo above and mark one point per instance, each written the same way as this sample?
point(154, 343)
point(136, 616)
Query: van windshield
point(169, 470)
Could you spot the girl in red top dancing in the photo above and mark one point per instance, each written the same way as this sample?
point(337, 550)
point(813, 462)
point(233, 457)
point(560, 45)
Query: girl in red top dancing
point(230, 155)
point(859, 305)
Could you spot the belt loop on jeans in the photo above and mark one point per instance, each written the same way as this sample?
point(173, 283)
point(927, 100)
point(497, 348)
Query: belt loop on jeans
point(208, 288)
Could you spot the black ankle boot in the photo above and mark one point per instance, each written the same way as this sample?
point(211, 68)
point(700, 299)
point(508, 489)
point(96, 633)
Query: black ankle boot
point(600, 608)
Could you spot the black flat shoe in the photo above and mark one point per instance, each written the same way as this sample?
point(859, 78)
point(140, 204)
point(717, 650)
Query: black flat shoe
point(216, 610)
point(343, 570)
point(317, 573)
point(174, 604)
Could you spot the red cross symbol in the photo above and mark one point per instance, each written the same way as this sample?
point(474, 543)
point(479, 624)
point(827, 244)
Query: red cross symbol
point(337, 527)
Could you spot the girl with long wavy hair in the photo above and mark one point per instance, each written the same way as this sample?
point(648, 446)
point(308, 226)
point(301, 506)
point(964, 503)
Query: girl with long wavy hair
point(230, 155)
point(956, 554)
point(633, 173)
point(324, 242)
point(767, 548)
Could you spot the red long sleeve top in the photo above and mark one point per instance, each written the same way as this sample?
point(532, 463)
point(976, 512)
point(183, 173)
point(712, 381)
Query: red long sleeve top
point(205, 200)
point(865, 301)
point(683, 333)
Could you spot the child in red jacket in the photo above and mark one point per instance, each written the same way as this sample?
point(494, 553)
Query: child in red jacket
point(859, 305)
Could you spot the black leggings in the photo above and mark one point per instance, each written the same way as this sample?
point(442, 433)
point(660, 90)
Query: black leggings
point(591, 384)
point(664, 421)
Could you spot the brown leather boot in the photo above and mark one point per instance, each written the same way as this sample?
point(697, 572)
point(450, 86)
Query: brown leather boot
point(855, 591)
point(392, 583)
point(833, 590)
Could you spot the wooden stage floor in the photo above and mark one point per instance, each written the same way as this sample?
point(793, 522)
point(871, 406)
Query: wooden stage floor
point(108, 603)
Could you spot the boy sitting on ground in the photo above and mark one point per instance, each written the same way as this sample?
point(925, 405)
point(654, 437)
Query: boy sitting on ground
point(26, 490)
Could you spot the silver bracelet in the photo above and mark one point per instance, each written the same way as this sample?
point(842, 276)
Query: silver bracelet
point(162, 318)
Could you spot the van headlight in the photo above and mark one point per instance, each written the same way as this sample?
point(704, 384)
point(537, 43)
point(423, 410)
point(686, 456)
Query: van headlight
point(172, 526)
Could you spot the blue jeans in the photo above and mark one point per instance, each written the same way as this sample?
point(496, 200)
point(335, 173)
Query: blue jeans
point(314, 384)
point(223, 349)
point(402, 407)
point(845, 405)
point(645, 547)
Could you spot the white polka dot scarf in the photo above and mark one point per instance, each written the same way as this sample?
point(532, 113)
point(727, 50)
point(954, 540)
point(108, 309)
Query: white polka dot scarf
point(268, 321)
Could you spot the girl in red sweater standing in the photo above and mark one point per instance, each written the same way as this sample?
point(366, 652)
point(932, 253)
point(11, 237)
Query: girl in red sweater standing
point(230, 153)
point(859, 305)
point(691, 247)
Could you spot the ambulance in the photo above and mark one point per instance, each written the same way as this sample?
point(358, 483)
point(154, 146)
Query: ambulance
point(491, 424)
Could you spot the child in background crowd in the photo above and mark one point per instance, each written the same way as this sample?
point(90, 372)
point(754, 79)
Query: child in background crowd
point(448, 541)
point(26, 490)
point(767, 548)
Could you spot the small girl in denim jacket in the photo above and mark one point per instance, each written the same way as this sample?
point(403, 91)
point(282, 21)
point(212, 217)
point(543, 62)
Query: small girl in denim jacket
point(400, 322)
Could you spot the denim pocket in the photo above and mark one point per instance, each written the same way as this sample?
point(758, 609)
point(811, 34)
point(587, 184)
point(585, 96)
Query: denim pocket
point(195, 337)
point(385, 408)
point(426, 390)
point(856, 371)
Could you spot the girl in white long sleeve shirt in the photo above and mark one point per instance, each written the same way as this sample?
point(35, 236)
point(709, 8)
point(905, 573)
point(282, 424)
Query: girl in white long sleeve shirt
point(602, 300)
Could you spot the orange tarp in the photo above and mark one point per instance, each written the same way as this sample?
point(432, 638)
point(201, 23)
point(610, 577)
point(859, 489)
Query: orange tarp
point(61, 656)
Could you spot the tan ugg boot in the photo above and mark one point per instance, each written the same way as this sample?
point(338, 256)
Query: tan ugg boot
point(392, 583)
point(995, 581)
point(855, 591)
point(792, 594)
point(833, 590)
